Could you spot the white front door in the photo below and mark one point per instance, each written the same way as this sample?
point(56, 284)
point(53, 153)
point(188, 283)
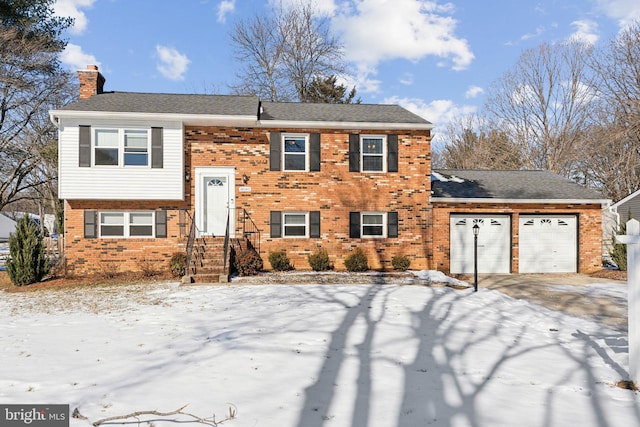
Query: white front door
point(215, 201)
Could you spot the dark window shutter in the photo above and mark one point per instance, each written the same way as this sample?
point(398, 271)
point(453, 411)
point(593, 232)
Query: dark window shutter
point(161, 223)
point(314, 224)
point(392, 153)
point(274, 151)
point(354, 225)
point(157, 148)
point(90, 227)
point(354, 153)
point(85, 146)
point(275, 224)
point(314, 152)
point(392, 224)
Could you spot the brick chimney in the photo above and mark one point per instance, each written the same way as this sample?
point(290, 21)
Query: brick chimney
point(91, 82)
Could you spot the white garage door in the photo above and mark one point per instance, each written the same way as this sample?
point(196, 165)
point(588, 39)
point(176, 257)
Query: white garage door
point(548, 244)
point(494, 243)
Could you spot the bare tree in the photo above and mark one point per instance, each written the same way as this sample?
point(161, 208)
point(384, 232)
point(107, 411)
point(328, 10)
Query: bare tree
point(30, 82)
point(614, 160)
point(474, 143)
point(282, 53)
point(544, 104)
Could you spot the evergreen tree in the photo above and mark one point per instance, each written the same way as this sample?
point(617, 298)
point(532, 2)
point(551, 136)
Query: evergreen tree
point(27, 261)
point(618, 252)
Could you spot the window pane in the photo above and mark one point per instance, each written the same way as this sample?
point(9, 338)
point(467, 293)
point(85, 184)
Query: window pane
point(372, 163)
point(112, 230)
point(107, 138)
point(294, 162)
point(140, 218)
point(294, 219)
point(112, 218)
point(141, 230)
point(135, 139)
point(294, 231)
point(372, 230)
point(372, 145)
point(135, 159)
point(106, 156)
point(294, 145)
point(372, 219)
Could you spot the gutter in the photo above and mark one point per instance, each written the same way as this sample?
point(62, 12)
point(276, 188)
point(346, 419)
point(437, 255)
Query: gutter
point(603, 202)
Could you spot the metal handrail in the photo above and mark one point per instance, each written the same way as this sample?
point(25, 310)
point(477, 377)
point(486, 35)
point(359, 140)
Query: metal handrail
point(226, 246)
point(190, 241)
point(250, 229)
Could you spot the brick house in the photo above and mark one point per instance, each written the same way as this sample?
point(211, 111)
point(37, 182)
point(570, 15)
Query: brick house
point(136, 169)
point(145, 176)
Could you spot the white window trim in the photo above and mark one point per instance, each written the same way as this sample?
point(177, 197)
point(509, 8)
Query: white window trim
point(127, 225)
point(306, 225)
point(121, 133)
point(384, 153)
point(384, 225)
point(306, 151)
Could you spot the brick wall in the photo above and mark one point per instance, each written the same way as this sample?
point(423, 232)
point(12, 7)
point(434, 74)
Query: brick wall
point(103, 255)
point(334, 191)
point(589, 226)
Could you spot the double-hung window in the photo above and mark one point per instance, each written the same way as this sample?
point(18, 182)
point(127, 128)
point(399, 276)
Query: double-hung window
point(295, 152)
point(126, 224)
point(294, 224)
point(106, 147)
point(115, 147)
point(372, 151)
point(373, 224)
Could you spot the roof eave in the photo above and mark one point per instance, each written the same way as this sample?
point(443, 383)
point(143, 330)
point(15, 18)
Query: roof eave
point(291, 124)
point(187, 119)
point(523, 201)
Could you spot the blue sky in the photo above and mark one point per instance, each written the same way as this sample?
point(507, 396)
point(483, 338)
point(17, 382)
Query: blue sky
point(435, 58)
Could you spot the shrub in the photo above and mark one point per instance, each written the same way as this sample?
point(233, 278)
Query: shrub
point(319, 260)
point(247, 262)
point(147, 267)
point(178, 264)
point(618, 252)
point(109, 269)
point(280, 261)
point(401, 262)
point(27, 262)
point(356, 261)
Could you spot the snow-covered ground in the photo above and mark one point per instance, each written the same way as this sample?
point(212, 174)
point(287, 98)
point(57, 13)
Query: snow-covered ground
point(313, 355)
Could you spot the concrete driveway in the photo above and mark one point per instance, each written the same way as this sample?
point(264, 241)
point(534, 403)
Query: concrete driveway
point(603, 300)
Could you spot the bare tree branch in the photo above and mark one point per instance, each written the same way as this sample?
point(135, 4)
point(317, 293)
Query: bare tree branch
point(180, 411)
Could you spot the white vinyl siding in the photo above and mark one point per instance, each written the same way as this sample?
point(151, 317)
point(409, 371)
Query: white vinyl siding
point(121, 183)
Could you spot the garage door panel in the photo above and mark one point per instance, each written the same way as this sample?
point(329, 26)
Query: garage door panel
point(494, 248)
point(548, 244)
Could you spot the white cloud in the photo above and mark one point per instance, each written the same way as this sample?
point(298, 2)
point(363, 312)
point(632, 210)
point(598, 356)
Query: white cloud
point(324, 7)
point(473, 91)
point(225, 7)
point(374, 31)
point(407, 79)
point(173, 64)
point(586, 31)
point(71, 8)
point(75, 58)
point(624, 11)
point(538, 32)
point(440, 112)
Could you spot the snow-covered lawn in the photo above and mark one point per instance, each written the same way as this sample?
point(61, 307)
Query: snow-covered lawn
point(313, 355)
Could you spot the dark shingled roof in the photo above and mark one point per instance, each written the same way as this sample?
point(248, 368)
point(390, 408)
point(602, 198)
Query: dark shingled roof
point(508, 184)
point(339, 113)
point(134, 102)
point(231, 105)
